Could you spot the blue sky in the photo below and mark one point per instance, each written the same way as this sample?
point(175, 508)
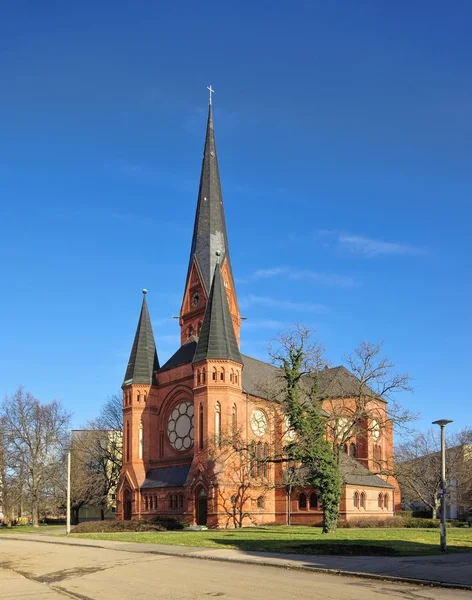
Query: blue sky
point(344, 135)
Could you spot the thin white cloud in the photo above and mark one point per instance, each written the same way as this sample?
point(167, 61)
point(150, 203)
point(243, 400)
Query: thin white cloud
point(276, 303)
point(263, 324)
point(365, 246)
point(330, 279)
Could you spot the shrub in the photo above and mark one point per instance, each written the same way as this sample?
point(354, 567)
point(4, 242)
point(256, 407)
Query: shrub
point(23, 520)
point(422, 513)
point(135, 525)
point(396, 522)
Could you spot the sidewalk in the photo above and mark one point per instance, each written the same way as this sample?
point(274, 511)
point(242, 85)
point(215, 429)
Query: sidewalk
point(452, 570)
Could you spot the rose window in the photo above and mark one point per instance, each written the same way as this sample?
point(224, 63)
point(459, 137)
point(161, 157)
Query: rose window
point(180, 426)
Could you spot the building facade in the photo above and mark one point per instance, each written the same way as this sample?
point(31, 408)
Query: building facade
point(180, 419)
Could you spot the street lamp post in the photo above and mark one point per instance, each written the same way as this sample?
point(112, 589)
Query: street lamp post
point(442, 423)
point(68, 495)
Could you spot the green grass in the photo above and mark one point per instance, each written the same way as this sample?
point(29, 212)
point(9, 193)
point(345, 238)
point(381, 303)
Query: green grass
point(50, 529)
point(306, 540)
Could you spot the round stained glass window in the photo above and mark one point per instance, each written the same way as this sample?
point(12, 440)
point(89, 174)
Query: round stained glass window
point(180, 426)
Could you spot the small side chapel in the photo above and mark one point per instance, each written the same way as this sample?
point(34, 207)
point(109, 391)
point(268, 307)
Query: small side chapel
point(175, 415)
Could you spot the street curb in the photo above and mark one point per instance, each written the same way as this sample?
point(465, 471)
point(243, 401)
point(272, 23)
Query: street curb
point(260, 563)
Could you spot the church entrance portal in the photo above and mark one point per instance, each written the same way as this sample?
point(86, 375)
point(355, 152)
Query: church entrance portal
point(201, 502)
point(127, 505)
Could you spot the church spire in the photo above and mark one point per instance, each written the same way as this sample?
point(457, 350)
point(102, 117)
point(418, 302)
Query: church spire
point(209, 237)
point(143, 361)
point(209, 233)
point(217, 338)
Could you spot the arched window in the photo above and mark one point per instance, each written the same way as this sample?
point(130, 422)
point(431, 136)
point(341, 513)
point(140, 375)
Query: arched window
point(259, 459)
point(386, 501)
point(155, 502)
point(222, 374)
point(253, 459)
point(146, 503)
point(313, 501)
point(203, 375)
point(381, 503)
point(199, 376)
point(234, 499)
point(190, 331)
point(355, 500)
point(363, 500)
point(181, 501)
point(236, 377)
point(140, 440)
point(138, 397)
point(127, 441)
point(200, 427)
point(231, 376)
point(353, 450)
point(234, 419)
point(345, 448)
point(265, 465)
point(218, 424)
point(199, 328)
point(302, 501)
point(145, 397)
point(260, 502)
point(214, 374)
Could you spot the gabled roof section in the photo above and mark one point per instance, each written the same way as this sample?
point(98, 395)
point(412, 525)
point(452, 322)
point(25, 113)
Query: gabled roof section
point(161, 477)
point(143, 361)
point(217, 338)
point(183, 356)
point(353, 473)
point(209, 233)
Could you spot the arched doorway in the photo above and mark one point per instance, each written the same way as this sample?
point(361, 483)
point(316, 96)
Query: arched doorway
point(127, 505)
point(201, 504)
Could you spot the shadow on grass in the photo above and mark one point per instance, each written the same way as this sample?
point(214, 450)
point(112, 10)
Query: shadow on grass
point(337, 547)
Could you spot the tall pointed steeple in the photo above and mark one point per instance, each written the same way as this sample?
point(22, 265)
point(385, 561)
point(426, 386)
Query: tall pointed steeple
point(209, 237)
point(143, 361)
point(217, 338)
point(209, 233)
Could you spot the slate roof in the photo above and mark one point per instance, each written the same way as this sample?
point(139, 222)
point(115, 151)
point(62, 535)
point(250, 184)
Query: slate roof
point(143, 361)
point(217, 338)
point(336, 382)
point(353, 473)
point(209, 234)
point(161, 477)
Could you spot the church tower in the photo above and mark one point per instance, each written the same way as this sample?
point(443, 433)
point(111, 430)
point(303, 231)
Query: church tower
point(138, 386)
point(209, 237)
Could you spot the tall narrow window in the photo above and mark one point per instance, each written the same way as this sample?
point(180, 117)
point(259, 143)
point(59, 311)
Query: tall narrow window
point(234, 419)
point(203, 375)
point(199, 327)
point(127, 442)
point(302, 502)
point(145, 396)
point(265, 465)
point(386, 501)
point(381, 503)
point(218, 424)
point(259, 459)
point(260, 502)
point(140, 435)
point(363, 500)
point(253, 459)
point(214, 375)
point(313, 501)
point(222, 374)
point(146, 505)
point(138, 397)
point(355, 499)
point(181, 501)
point(155, 502)
point(200, 427)
point(353, 450)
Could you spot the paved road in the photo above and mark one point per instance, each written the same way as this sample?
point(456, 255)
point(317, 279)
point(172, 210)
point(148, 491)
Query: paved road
point(51, 571)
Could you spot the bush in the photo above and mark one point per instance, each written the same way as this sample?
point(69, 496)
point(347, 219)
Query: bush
point(23, 520)
point(136, 525)
point(392, 522)
point(422, 513)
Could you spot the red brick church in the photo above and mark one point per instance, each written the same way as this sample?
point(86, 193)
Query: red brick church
point(175, 415)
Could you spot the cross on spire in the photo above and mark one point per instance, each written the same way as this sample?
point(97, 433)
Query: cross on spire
point(212, 91)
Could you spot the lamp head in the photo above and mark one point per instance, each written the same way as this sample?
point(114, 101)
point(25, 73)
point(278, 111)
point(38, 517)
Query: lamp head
point(442, 422)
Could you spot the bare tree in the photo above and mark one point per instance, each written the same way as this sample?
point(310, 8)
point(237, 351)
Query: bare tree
point(418, 468)
point(35, 435)
point(361, 401)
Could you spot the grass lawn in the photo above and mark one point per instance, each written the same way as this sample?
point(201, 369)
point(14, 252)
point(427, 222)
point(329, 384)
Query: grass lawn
point(306, 540)
point(50, 529)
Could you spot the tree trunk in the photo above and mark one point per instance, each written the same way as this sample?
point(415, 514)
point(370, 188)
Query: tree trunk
point(35, 510)
point(102, 513)
point(75, 516)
